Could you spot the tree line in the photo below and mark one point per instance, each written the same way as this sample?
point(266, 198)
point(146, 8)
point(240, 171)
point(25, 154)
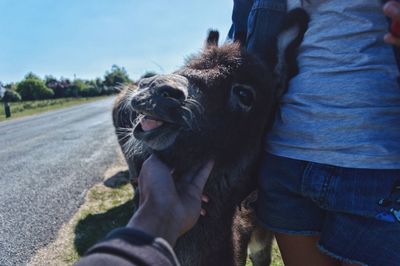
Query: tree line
point(32, 87)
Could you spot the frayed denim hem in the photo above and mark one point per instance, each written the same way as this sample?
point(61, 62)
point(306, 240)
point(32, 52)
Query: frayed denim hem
point(289, 232)
point(336, 256)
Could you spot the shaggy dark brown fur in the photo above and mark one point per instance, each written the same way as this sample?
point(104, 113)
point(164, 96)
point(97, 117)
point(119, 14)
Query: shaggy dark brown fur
point(217, 126)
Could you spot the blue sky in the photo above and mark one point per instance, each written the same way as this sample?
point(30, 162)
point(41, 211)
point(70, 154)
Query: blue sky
point(86, 37)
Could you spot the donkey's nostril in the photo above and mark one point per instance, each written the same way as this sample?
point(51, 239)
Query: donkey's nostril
point(171, 92)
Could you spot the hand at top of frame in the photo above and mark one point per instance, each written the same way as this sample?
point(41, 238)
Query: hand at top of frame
point(168, 208)
point(392, 10)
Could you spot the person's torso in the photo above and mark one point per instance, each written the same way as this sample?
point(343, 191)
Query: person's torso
point(343, 108)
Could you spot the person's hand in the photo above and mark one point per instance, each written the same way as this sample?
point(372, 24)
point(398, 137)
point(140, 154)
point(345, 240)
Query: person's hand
point(392, 10)
point(168, 208)
point(204, 200)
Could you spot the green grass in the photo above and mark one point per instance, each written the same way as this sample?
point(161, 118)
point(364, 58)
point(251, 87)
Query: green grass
point(106, 208)
point(276, 256)
point(276, 259)
point(26, 108)
point(107, 205)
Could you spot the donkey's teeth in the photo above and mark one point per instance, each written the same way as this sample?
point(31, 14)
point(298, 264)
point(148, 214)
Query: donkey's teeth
point(149, 124)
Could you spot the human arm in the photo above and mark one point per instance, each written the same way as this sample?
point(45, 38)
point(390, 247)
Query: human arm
point(168, 208)
point(240, 14)
point(129, 247)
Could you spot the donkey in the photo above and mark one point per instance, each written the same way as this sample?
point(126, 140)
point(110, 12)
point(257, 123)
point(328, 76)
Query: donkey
point(218, 105)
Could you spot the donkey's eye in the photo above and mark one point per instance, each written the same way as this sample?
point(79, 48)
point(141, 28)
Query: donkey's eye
point(245, 95)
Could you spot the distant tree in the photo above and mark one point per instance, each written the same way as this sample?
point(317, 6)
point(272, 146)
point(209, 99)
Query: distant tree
point(91, 89)
point(11, 86)
point(102, 88)
point(49, 78)
point(99, 85)
point(116, 77)
point(33, 88)
point(31, 75)
point(59, 87)
point(74, 90)
point(11, 96)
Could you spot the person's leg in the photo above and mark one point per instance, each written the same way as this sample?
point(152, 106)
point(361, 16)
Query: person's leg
point(352, 215)
point(298, 250)
point(358, 240)
point(360, 226)
point(296, 220)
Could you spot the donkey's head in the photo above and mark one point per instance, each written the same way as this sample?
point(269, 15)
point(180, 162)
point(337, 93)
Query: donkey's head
point(216, 105)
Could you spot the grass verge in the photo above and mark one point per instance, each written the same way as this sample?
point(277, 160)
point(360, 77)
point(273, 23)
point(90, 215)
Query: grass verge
point(107, 205)
point(276, 259)
point(25, 108)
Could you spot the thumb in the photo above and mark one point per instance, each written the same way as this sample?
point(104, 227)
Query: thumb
point(155, 174)
point(201, 176)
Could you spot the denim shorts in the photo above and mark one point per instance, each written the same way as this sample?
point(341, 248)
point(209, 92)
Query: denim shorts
point(356, 212)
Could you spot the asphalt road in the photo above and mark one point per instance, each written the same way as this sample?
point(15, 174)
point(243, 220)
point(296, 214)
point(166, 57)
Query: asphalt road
point(47, 162)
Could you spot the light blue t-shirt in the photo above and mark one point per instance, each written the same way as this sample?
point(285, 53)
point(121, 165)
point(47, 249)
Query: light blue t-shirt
point(343, 108)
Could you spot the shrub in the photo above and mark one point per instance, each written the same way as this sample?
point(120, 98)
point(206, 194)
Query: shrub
point(33, 88)
point(59, 87)
point(89, 91)
point(74, 90)
point(11, 96)
point(27, 105)
point(116, 77)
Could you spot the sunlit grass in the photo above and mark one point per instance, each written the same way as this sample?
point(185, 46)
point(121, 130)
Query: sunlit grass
point(104, 209)
point(26, 108)
point(276, 259)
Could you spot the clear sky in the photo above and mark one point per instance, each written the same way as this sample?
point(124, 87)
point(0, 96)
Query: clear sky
point(86, 37)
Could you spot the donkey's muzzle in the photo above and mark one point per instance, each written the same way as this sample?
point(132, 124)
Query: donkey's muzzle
point(161, 96)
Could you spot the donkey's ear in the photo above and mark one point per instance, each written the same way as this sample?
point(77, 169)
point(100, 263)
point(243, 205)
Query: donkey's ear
point(288, 42)
point(212, 39)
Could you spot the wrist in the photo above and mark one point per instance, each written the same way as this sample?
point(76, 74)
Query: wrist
point(157, 223)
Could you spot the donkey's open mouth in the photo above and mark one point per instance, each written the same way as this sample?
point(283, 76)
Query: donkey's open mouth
point(156, 132)
point(166, 105)
point(149, 123)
